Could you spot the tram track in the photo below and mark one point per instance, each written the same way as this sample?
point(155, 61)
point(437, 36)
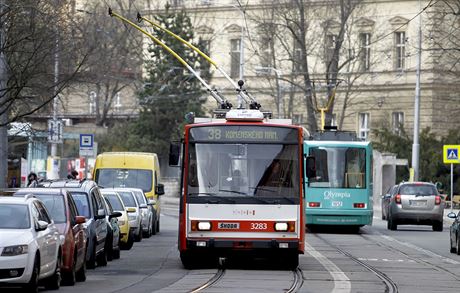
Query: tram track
point(390, 285)
point(298, 281)
point(214, 279)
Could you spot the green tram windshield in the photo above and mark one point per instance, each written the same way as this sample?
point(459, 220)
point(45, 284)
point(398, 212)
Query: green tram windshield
point(339, 167)
point(241, 166)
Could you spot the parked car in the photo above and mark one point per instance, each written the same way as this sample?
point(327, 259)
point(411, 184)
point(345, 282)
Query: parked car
point(386, 201)
point(112, 243)
point(455, 233)
point(133, 210)
point(63, 211)
point(147, 212)
point(126, 237)
point(416, 203)
point(30, 245)
point(90, 204)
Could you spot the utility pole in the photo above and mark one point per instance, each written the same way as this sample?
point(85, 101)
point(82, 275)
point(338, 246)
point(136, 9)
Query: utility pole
point(3, 109)
point(416, 145)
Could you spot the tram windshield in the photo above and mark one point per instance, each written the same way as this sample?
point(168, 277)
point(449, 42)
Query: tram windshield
point(339, 167)
point(243, 172)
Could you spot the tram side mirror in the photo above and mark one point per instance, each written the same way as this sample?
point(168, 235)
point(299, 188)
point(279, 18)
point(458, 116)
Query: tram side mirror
point(174, 154)
point(310, 167)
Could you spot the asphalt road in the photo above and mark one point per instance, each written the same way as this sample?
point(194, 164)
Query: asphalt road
point(412, 259)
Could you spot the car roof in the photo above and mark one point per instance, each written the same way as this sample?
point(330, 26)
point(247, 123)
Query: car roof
point(66, 183)
point(13, 199)
point(416, 183)
point(54, 191)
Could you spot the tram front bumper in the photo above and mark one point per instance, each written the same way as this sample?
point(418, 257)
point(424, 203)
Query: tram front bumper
point(244, 244)
point(339, 217)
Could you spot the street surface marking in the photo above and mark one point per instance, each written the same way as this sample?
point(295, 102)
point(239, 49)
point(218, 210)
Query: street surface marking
point(423, 250)
point(386, 260)
point(341, 281)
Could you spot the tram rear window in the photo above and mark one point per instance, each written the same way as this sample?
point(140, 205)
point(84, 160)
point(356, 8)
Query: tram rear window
point(237, 133)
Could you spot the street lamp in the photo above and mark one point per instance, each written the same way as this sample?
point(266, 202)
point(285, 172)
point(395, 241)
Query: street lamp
point(278, 87)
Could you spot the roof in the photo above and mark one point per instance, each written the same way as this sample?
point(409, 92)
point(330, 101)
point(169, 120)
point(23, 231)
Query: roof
point(39, 190)
point(12, 199)
point(337, 143)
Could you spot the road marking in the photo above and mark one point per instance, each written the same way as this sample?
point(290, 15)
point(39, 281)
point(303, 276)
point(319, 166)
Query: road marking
point(386, 260)
point(341, 281)
point(423, 250)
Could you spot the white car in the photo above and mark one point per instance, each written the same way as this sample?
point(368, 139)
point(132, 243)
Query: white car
point(30, 245)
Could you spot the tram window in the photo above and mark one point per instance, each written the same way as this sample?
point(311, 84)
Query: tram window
point(355, 160)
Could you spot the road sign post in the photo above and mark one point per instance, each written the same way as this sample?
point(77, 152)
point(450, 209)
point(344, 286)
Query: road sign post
point(451, 156)
point(86, 149)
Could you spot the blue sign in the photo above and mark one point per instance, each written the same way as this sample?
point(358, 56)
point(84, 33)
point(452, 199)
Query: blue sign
point(452, 154)
point(86, 141)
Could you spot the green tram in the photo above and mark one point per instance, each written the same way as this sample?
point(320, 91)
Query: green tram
point(341, 191)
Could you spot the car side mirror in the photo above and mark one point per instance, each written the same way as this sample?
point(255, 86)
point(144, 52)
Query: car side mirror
point(131, 210)
point(143, 206)
point(152, 202)
point(310, 167)
point(80, 220)
point(115, 215)
point(100, 214)
point(41, 225)
point(174, 154)
point(452, 215)
point(160, 189)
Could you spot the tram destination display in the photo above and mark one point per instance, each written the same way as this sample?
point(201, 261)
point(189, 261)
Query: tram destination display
point(235, 133)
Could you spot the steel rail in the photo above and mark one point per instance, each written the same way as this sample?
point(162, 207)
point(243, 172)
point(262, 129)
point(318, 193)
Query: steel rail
point(298, 281)
point(391, 286)
point(217, 276)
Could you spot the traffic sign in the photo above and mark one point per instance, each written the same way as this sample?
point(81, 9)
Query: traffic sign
point(86, 141)
point(451, 154)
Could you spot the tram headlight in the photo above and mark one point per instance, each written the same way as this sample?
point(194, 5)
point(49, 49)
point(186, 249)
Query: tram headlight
point(200, 225)
point(285, 227)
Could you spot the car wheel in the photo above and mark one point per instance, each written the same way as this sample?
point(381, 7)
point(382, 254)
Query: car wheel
point(116, 253)
point(81, 273)
point(437, 226)
point(102, 258)
point(91, 263)
point(158, 225)
point(458, 245)
point(108, 248)
point(69, 278)
point(154, 226)
point(130, 242)
point(139, 235)
point(54, 282)
point(391, 225)
point(148, 233)
point(32, 285)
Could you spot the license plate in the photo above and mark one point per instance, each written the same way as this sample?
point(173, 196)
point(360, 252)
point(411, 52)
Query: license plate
point(232, 226)
point(418, 203)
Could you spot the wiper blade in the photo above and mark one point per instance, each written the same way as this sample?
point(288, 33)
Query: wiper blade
point(233, 191)
point(212, 197)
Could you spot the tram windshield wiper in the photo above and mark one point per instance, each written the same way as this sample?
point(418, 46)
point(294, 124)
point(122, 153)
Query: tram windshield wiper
point(212, 197)
point(233, 191)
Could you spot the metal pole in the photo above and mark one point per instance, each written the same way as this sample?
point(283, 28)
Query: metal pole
point(416, 145)
point(3, 110)
point(451, 187)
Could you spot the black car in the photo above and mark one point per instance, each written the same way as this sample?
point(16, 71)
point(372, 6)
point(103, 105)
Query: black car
point(90, 204)
point(455, 233)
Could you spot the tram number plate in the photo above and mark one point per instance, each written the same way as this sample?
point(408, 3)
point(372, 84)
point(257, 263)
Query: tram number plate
point(337, 204)
point(233, 226)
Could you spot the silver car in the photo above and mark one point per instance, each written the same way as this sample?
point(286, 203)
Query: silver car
point(146, 209)
point(416, 203)
point(133, 208)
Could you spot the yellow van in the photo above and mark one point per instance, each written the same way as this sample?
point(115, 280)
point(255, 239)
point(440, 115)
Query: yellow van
point(132, 170)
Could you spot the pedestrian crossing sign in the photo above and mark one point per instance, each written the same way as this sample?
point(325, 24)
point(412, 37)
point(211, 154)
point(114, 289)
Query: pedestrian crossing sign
point(451, 154)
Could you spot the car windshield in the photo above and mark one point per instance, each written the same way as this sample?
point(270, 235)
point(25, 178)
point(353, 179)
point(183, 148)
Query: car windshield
point(128, 198)
point(133, 178)
point(114, 200)
point(14, 216)
point(418, 189)
point(55, 205)
point(82, 203)
point(140, 197)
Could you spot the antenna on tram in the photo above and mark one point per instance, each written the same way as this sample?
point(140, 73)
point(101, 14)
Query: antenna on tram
point(249, 99)
point(224, 104)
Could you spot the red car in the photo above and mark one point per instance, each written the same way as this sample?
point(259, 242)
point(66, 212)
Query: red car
point(63, 211)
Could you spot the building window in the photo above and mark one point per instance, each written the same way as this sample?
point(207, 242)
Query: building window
point(266, 52)
point(297, 119)
point(365, 51)
point(117, 106)
point(92, 102)
point(363, 130)
point(330, 47)
point(397, 122)
point(297, 57)
point(235, 52)
point(400, 50)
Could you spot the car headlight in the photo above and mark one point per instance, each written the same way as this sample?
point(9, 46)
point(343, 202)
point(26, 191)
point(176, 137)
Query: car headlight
point(15, 250)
